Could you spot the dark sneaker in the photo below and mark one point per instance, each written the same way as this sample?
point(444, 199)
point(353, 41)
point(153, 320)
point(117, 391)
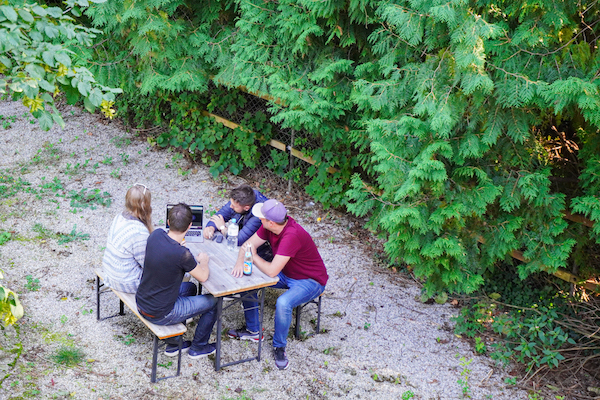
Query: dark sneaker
point(204, 351)
point(172, 349)
point(244, 334)
point(281, 359)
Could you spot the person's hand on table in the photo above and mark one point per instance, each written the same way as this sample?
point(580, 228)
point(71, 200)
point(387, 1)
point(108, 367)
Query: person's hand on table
point(238, 269)
point(219, 222)
point(209, 231)
point(202, 259)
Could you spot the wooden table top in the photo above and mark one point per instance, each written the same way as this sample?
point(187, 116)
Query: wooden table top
point(220, 282)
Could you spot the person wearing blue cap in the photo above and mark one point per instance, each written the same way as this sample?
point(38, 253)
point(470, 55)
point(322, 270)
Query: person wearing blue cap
point(296, 262)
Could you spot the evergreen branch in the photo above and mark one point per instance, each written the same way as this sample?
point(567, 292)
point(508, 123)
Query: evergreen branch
point(519, 76)
point(395, 35)
point(98, 44)
point(586, 28)
point(260, 8)
point(110, 63)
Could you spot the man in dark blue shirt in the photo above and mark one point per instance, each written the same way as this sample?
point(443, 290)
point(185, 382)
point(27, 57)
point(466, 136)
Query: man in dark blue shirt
point(163, 298)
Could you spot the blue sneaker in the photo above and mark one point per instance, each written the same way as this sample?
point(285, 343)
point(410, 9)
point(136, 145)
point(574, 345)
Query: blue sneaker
point(172, 349)
point(281, 360)
point(204, 351)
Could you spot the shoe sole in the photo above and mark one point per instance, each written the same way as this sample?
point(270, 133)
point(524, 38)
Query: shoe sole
point(174, 353)
point(245, 338)
point(286, 366)
point(202, 355)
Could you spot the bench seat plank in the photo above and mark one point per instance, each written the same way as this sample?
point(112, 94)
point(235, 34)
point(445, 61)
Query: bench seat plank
point(161, 331)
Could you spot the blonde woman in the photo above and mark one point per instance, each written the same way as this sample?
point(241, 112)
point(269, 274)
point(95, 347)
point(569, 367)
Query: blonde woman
point(126, 245)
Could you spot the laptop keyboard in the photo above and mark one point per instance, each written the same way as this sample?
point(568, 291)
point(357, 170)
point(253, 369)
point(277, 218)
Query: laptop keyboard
point(194, 233)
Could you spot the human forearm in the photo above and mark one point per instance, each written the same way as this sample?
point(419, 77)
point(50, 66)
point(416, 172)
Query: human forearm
point(201, 272)
point(272, 268)
point(255, 242)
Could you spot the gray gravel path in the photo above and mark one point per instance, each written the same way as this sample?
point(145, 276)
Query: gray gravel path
point(380, 341)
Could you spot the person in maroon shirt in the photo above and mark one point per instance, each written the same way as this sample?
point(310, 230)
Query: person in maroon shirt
point(296, 262)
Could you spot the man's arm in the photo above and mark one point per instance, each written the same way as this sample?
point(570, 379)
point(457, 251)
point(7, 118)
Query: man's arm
point(250, 227)
point(225, 212)
point(256, 242)
point(272, 268)
point(217, 221)
point(201, 271)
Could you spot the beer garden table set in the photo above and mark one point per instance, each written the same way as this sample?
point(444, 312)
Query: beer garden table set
point(221, 284)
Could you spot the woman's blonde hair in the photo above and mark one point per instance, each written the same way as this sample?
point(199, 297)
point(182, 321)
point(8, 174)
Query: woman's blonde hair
point(138, 202)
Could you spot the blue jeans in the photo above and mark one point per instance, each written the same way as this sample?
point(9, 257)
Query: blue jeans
point(189, 305)
point(299, 292)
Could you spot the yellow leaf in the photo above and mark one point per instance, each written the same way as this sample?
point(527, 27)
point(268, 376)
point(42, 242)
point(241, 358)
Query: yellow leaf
point(62, 70)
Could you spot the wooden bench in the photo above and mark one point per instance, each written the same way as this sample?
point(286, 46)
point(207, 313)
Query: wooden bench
point(299, 309)
point(160, 331)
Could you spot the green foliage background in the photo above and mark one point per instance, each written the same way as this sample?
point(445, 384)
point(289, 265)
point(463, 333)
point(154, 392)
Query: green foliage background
point(449, 122)
point(38, 61)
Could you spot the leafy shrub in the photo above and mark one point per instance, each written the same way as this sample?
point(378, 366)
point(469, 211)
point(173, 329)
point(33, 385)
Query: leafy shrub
point(36, 62)
point(530, 323)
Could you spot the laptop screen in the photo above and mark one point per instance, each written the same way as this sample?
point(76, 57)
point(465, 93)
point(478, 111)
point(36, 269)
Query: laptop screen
point(197, 215)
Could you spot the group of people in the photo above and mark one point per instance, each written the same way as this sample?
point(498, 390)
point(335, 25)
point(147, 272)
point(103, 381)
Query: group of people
point(153, 263)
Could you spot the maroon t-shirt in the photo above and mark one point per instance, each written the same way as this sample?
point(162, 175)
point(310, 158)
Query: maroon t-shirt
point(305, 261)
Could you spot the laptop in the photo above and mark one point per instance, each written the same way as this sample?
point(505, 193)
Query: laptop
point(194, 235)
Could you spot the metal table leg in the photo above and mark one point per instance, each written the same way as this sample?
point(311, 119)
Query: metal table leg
point(260, 321)
point(260, 301)
point(219, 323)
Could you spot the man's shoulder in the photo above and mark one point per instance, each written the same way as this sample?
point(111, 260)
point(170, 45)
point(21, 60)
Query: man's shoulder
point(260, 198)
point(159, 232)
point(157, 236)
point(294, 228)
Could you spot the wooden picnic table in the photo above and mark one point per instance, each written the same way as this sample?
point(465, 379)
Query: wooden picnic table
point(222, 284)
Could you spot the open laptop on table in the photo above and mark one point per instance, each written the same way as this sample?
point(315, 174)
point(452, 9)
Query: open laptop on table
point(194, 235)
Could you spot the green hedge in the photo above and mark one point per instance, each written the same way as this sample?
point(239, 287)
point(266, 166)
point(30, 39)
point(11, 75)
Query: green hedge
point(447, 121)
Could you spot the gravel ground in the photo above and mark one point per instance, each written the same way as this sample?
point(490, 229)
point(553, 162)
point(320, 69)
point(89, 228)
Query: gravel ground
point(379, 342)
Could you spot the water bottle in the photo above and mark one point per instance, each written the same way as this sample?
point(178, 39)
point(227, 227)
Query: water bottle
point(232, 234)
point(248, 260)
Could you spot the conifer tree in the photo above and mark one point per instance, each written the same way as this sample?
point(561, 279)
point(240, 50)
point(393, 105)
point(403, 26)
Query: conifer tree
point(463, 129)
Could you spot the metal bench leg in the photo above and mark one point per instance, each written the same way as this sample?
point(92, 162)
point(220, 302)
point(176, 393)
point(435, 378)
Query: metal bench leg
point(298, 313)
point(179, 355)
point(98, 298)
point(319, 315)
point(121, 307)
point(154, 359)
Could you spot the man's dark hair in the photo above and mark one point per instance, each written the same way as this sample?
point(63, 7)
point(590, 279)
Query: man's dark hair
point(244, 195)
point(180, 217)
